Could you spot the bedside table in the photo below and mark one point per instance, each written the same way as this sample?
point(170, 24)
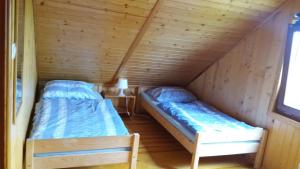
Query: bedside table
point(123, 104)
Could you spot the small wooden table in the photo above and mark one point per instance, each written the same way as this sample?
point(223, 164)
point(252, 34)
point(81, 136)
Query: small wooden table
point(123, 104)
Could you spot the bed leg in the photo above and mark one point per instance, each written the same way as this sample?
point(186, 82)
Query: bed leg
point(196, 156)
point(195, 162)
point(134, 153)
point(260, 151)
point(29, 154)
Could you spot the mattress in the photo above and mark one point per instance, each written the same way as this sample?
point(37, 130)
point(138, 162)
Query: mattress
point(18, 94)
point(214, 126)
point(18, 103)
point(70, 118)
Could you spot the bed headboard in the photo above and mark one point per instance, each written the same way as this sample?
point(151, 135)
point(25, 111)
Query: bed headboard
point(98, 87)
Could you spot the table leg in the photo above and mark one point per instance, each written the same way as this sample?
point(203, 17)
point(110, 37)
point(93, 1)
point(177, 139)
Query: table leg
point(126, 102)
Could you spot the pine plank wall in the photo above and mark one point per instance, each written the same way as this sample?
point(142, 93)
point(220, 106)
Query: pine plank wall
point(244, 82)
point(89, 39)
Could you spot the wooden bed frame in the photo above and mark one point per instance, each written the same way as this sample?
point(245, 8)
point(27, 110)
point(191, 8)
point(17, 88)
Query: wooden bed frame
point(130, 143)
point(34, 147)
point(214, 149)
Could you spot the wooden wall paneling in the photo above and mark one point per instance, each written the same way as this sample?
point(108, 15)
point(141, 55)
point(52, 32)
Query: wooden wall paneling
point(3, 82)
point(9, 82)
point(138, 8)
point(185, 37)
point(258, 7)
point(193, 31)
point(17, 131)
point(137, 39)
point(91, 37)
point(244, 83)
point(283, 148)
point(250, 64)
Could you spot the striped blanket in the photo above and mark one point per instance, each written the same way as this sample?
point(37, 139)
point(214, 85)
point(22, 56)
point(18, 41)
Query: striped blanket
point(213, 125)
point(70, 118)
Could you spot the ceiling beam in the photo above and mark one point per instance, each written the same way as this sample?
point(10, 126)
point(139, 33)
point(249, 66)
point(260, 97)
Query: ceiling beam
point(137, 40)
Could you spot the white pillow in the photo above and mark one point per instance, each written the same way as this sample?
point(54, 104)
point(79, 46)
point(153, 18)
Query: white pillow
point(171, 94)
point(70, 90)
point(70, 84)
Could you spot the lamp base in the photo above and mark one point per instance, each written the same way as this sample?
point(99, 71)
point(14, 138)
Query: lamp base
point(121, 93)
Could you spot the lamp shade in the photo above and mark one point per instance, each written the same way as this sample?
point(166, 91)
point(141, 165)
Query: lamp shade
point(122, 83)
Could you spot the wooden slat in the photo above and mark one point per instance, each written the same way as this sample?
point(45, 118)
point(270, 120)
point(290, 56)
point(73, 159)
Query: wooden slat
point(137, 39)
point(118, 7)
point(29, 153)
point(261, 149)
point(76, 144)
point(81, 160)
point(207, 150)
point(197, 152)
point(283, 146)
point(134, 153)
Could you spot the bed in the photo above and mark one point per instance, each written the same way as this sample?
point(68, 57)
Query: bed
point(73, 126)
point(201, 129)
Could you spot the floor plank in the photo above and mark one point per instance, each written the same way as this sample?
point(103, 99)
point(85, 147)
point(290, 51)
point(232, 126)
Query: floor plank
point(158, 149)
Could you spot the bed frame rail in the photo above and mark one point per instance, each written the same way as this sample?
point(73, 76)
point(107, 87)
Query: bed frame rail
point(126, 150)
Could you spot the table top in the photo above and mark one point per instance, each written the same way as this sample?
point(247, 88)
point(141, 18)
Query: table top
point(115, 95)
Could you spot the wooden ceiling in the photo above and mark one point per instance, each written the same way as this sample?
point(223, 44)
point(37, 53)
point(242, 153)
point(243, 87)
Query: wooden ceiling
point(96, 40)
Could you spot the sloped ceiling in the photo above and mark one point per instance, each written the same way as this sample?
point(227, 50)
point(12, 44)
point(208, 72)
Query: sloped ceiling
point(88, 39)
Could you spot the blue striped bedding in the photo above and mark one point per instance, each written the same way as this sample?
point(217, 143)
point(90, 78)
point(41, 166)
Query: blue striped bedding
point(18, 94)
point(198, 116)
point(213, 125)
point(70, 118)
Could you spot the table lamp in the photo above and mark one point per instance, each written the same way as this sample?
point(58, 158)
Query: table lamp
point(121, 85)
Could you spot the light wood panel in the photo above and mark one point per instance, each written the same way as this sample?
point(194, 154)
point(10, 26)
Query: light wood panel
point(88, 39)
point(3, 81)
point(283, 149)
point(244, 84)
point(193, 28)
point(9, 83)
point(137, 39)
point(60, 146)
point(17, 131)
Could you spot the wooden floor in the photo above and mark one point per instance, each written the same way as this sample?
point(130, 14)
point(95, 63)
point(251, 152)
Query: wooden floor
point(158, 149)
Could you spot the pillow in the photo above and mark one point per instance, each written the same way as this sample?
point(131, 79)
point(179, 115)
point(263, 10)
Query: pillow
point(171, 94)
point(70, 84)
point(19, 88)
point(71, 93)
point(70, 90)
